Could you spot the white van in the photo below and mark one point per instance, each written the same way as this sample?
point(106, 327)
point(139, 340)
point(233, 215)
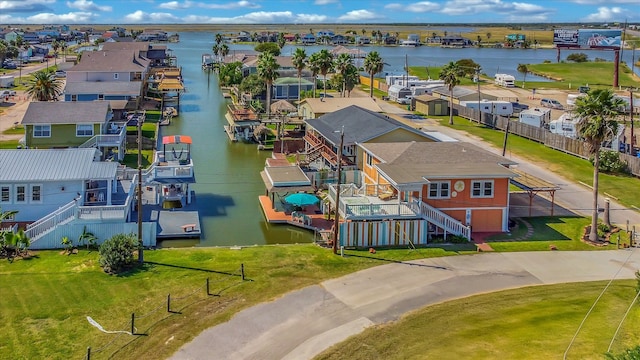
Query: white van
point(551, 103)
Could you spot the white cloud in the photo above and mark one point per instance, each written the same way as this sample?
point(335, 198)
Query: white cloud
point(87, 5)
point(177, 5)
point(599, 2)
point(25, 5)
point(527, 12)
point(417, 7)
point(310, 19)
point(359, 15)
point(324, 2)
point(72, 17)
point(606, 14)
point(156, 18)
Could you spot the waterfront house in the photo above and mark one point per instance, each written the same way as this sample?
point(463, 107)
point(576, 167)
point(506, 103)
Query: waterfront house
point(313, 108)
point(123, 96)
point(322, 136)
point(287, 87)
point(36, 182)
point(158, 55)
point(9, 36)
point(308, 39)
point(64, 124)
point(455, 41)
point(113, 65)
point(413, 191)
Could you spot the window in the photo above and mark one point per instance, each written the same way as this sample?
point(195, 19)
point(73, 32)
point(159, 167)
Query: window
point(439, 190)
point(41, 130)
point(36, 193)
point(21, 193)
point(369, 160)
point(482, 189)
point(84, 130)
point(115, 76)
point(74, 97)
point(100, 96)
point(5, 193)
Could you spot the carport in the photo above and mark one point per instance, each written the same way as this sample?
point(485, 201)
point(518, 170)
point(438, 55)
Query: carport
point(533, 185)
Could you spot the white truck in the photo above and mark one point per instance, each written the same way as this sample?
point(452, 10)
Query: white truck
point(505, 80)
point(537, 117)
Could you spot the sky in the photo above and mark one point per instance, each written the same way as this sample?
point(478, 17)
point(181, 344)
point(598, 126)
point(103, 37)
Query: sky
point(315, 11)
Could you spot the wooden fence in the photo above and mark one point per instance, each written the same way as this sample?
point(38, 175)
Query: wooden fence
point(555, 141)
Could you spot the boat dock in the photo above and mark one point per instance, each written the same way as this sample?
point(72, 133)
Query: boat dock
point(177, 224)
point(310, 217)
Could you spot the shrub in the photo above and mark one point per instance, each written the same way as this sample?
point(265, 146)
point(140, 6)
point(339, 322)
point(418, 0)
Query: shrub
point(578, 57)
point(610, 162)
point(116, 254)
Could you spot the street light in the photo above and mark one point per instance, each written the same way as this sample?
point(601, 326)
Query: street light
point(336, 220)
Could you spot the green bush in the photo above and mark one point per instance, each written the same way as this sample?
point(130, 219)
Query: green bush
point(578, 57)
point(610, 162)
point(116, 254)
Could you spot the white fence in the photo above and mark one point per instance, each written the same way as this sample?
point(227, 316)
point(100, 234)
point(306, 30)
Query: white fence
point(362, 234)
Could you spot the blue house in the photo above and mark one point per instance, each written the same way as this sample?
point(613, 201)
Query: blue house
point(308, 39)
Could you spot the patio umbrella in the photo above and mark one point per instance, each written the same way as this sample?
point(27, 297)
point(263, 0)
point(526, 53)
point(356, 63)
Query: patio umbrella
point(301, 199)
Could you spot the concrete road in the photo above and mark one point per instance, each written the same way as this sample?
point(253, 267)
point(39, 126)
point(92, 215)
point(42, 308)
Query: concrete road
point(304, 323)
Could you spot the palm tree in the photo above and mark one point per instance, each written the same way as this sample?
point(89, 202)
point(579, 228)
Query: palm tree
point(64, 46)
point(373, 64)
point(55, 45)
point(351, 77)
point(342, 63)
point(325, 63)
point(219, 38)
point(597, 111)
point(312, 64)
point(224, 51)
point(268, 71)
point(522, 68)
point(216, 51)
point(44, 86)
point(451, 74)
point(299, 60)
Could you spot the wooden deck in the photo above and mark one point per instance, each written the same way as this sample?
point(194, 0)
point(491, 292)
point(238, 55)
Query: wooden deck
point(318, 220)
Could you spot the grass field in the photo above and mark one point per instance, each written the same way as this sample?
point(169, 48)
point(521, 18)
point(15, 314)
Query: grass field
point(572, 75)
point(571, 167)
point(527, 323)
point(45, 300)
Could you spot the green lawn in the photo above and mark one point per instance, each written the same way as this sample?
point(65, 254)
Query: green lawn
point(433, 72)
point(571, 167)
point(573, 75)
point(45, 300)
point(9, 144)
point(16, 130)
point(131, 158)
point(528, 323)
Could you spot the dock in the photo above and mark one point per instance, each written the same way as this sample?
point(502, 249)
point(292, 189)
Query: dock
point(177, 224)
point(317, 220)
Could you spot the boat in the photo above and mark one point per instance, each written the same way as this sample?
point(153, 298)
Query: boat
point(409, 43)
point(173, 172)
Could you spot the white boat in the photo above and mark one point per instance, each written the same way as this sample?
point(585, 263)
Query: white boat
point(409, 43)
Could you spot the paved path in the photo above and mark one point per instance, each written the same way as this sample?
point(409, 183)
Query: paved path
point(303, 323)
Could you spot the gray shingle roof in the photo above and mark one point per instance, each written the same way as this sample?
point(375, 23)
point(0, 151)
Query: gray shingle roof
point(111, 61)
point(132, 88)
point(360, 125)
point(416, 161)
point(66, 112)
point(53, 165)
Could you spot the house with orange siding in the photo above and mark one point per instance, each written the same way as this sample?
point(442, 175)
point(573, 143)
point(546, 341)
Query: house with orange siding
point(413, 191)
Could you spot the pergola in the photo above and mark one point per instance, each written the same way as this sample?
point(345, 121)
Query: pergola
point(533, 185)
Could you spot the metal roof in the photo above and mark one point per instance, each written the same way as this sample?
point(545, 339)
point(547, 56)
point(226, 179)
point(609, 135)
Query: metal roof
point(33, 165)
point(131, 88)
point(359, 124)
point(66, 112)
point(111, 61)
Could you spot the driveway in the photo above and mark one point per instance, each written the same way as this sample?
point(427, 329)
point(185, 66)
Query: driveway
point(304, 323)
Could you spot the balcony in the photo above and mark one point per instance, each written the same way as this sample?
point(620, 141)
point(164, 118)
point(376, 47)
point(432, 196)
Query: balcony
point(371, 202)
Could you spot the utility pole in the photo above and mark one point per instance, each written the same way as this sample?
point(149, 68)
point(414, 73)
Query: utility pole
point(478, 82)
point(336, 220)
point(632, 150)
point(506, 135)
point(139, 193)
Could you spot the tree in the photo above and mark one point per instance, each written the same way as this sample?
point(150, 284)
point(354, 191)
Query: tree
point(44, 86)
point(224, 50)
point(55, 46)
point(342, 63)
point(216, 51)
point(281, 40)
point(373, 64)
point(523, 69)
point(468, 67)
point(269, 47)
point(628, 354)
point(578, 57)
point(252, 84)
point(451, 74)
point(597, 111)
point(299, 61)
point(351, 77)
point(312, 64)
point(116, 254)
point(87, 238)
point(219, 38)
point(325, 64)
point(488, 36)
point(268, 71)
point(3, 50)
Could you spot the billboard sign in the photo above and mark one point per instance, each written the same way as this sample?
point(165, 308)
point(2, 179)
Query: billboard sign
point(597, 38)
point(565, 37)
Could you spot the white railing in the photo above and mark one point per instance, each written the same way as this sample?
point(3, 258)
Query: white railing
point(172, 171)
point(346, 190)
point(442, 220)
point(107, 139)
point(381, 211)
point(50, 221)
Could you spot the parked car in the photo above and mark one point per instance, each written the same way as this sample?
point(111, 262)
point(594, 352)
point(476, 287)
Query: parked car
point(9, 65)
point(6, 93)
point(61, 74)
point(551, 103)
point(518, 107)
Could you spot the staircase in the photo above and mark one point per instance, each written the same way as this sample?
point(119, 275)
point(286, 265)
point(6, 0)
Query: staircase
point(442, 220)
point(41, 227)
